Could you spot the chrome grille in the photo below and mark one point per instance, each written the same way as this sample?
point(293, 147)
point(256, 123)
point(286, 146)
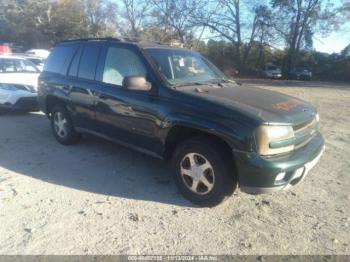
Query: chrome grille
point(304, 132)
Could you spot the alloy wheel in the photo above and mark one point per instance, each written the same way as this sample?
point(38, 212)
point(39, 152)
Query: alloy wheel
point(60, 125)
point(197, 173)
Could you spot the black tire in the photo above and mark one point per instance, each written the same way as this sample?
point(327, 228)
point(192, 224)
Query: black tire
point(69, 136)
point(224, 182)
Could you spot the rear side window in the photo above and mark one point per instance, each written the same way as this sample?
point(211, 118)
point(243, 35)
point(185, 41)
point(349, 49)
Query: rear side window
point(60, 58)
point(88, 61)
point(17, 66)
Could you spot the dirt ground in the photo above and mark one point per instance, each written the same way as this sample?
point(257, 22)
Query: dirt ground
point(99, 198)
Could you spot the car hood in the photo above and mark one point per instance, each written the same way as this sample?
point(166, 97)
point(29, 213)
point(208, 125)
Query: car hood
point(30, 79)
point(271, 107)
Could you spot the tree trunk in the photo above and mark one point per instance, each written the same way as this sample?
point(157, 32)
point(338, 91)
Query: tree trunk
point(249, 46)
point(295, 33)
point(238, 44)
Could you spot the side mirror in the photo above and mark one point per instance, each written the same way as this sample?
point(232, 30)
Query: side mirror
point(136, 83)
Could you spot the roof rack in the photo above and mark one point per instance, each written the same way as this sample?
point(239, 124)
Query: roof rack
point(135, 40)
point(141, 40)
point(93, 39)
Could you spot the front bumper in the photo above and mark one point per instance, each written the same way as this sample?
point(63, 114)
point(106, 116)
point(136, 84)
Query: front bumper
point(274, 76)
point(258, 174)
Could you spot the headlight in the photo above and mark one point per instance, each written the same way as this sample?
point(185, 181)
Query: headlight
point(272, 140)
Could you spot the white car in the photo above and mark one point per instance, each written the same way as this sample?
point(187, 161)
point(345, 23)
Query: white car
point(18, 83)
point(272, 71)
point(37, 61)
point(42, 53)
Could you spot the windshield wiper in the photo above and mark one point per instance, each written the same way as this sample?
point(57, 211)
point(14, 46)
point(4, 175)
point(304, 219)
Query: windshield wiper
point(227, 80)
point(190, 84)
point(217, 81)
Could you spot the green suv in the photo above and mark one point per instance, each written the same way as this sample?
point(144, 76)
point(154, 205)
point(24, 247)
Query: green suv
point(175, 105)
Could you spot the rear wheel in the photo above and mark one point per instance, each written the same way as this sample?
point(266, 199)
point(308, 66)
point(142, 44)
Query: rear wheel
point(203, 172)
point(62, 126)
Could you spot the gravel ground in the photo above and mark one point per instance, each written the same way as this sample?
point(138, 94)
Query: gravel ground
point(98, 198)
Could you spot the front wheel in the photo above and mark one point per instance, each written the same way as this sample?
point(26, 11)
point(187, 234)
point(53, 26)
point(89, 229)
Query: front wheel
point(62, 126)
point(203, 172)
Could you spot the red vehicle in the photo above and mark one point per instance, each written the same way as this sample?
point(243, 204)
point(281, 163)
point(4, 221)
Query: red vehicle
point(5, 49)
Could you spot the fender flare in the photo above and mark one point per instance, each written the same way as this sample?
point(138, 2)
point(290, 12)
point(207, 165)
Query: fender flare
point(203, 125)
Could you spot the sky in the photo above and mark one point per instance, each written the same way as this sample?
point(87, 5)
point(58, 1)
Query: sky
point(332, 43)
point(335, 42)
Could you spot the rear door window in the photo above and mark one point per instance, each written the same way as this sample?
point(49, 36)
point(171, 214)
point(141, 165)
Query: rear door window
point(88, 61)
point(60, 59)
point(73, 70)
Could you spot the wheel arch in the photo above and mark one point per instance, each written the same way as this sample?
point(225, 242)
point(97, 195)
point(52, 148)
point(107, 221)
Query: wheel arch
point(181, 132)
point(51, 101)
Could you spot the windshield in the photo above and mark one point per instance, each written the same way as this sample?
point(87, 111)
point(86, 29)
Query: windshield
point(182, 67)
point(8, 65)
point(273, 68)
point(301, 69)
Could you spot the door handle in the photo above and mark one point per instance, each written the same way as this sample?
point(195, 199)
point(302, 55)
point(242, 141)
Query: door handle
point(67, 88)
point(101, 96)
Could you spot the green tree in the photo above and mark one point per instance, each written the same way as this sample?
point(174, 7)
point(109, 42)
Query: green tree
point(239, 22)
point(346, 52)
point(101, 17)
point(136, 13)
point(42, 23)
point(66, 20)
point(298, 20)
point(174, 17)
point(22, 21)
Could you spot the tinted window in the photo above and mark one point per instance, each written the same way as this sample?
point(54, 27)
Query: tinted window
point(60, 58)
point(88, 61)
point(73, 70)
point(122, 62)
